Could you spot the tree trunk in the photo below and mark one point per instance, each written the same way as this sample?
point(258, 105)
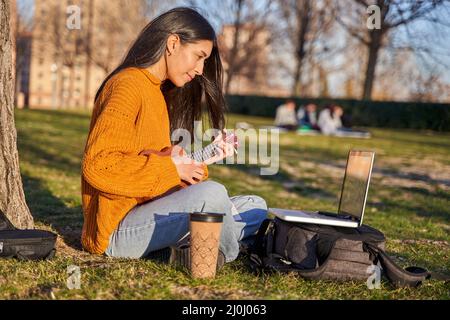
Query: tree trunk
point(303, 18)
point(323, 81)
point(12, 197)
point(235, 49)
point(374, 49)
point(14, 32)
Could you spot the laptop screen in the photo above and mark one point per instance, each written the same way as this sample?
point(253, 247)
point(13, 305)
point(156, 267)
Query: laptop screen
point(356, 183)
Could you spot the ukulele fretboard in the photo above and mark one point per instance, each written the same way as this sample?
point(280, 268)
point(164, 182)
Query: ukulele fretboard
point(204, 154)
point(209, 151)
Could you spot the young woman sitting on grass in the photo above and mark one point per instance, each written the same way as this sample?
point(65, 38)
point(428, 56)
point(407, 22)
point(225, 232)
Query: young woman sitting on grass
point(133, 202)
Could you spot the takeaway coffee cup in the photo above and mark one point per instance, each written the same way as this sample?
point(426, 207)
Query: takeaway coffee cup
point(205, 229)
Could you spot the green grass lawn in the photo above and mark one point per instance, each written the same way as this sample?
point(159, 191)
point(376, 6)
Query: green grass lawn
point(409, 201)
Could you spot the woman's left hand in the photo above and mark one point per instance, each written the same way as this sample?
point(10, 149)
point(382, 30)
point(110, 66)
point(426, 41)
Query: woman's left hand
point(224, 149)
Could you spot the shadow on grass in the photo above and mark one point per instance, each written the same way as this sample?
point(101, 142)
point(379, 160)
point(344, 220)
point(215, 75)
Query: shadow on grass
point(50, 210)
point(396, 173)
point(32, 152)
point(417, 209)
point(415, 138)
point(60, 119)
point(322, 155)
point(302, 187)
point(440, 194)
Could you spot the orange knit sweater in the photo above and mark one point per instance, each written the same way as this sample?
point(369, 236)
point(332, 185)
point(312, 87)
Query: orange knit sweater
point(130, 116)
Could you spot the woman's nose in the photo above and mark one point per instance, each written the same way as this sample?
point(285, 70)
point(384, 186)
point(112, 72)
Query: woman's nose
point(199, 70)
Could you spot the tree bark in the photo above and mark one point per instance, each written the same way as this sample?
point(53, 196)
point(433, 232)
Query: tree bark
point(374, 48)
point(303, 18)
point(12, 197)
point(14, 33)
point(235, 49)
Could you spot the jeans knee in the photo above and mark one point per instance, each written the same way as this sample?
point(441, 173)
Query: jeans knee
point(214, 189)
point(259, 210)
point(259, 202)
point(215, 195)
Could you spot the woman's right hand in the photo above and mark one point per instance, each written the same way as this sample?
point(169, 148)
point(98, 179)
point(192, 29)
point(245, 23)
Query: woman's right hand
point(189, 170)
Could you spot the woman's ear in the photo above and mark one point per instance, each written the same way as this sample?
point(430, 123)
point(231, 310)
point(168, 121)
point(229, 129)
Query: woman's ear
point(172, 43)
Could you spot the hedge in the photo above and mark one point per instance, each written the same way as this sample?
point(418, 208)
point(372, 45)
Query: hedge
point(388, 114)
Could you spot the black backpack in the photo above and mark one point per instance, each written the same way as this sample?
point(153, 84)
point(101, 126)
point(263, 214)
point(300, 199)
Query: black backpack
point(327, 253)
point(25, 244)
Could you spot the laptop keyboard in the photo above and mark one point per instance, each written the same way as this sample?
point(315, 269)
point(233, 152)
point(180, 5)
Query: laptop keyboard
point(334, 215)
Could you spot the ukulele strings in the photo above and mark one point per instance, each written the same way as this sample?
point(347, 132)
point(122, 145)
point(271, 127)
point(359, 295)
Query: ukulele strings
point(207, 152)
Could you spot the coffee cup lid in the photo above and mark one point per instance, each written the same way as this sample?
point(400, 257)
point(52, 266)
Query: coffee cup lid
point(207, 217)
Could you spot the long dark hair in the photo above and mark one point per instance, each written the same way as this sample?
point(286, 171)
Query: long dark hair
point(204, 93)
point(331, 107)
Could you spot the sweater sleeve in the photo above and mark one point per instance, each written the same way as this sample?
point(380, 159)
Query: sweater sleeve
point(110, 163)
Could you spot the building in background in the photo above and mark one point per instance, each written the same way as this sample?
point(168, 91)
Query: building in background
point(67, 65)
point(23, 61)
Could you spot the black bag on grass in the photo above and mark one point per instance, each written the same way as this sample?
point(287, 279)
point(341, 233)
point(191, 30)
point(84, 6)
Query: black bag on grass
point(327, 253)
point(25, 244)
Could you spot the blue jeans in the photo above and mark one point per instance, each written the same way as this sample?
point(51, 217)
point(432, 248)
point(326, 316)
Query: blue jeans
point(163, 222)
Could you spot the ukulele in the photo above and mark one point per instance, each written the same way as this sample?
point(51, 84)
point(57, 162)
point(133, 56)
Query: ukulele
point(212, 149)
point(201, 155)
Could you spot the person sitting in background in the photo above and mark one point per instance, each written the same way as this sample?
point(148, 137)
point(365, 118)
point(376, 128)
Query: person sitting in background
point(286, 117)
point(330, 119)
point(330, 123)
point(307, 117)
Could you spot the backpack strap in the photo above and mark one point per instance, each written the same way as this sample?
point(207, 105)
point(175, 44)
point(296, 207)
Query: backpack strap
point(408, 277)
point(259, 246)
point(258, 250)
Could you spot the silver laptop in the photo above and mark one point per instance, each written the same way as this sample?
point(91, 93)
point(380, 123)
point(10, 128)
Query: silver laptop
point(353, 196)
